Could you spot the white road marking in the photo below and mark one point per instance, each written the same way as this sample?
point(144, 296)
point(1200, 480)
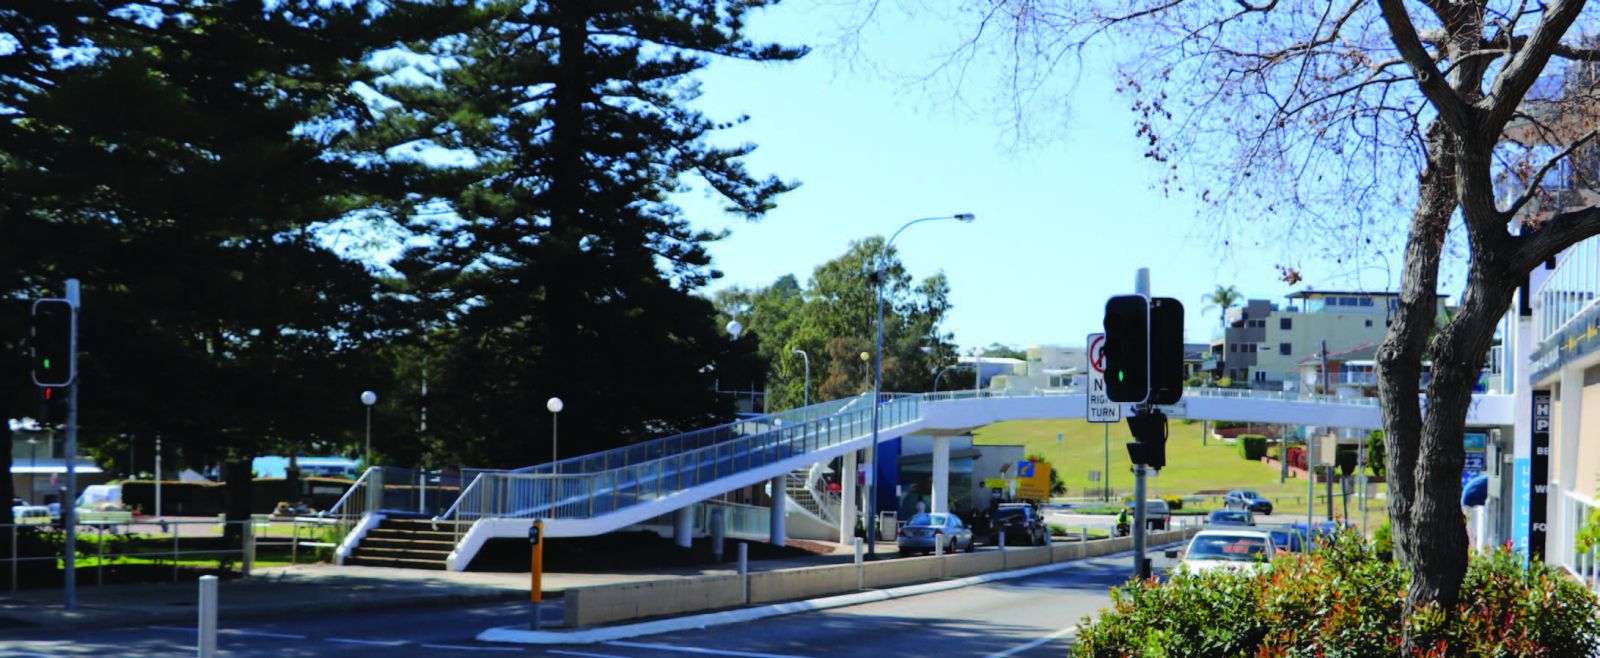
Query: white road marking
point(464, 647)
point(1034, 644)
point(228, 631)
point(375, 643)
point(696, 650)
point(559, 652)
point(240, 633)
point(24, 654)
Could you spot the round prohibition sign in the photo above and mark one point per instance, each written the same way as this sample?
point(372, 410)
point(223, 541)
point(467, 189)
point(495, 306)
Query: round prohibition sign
point(1097, 354)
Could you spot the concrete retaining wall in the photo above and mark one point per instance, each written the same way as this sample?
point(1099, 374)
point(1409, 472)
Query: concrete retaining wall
point(801, 583)
point(589, 606)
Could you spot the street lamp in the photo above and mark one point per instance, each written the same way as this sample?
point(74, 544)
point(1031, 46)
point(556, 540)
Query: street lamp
point(877, 383)
point(555, 406)
point(807, 358)
point(369, 398)
point(941, 373)
point(734, 328)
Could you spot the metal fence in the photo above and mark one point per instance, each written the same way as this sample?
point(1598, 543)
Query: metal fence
point(171, 543)
point(585, 495)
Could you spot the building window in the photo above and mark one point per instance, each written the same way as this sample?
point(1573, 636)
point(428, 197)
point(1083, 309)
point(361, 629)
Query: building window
point(1283, 349)
point(1366, 301)
point(1285, 323)
point(1261, 375)
point(1233, 347)
point(1369, 323)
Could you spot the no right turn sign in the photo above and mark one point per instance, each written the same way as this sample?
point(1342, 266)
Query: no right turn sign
point(1101, 408)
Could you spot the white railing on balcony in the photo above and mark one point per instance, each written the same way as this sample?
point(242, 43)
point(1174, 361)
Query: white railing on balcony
point(1570, 288)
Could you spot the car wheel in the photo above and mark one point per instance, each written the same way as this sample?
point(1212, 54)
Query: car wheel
point(972, 543)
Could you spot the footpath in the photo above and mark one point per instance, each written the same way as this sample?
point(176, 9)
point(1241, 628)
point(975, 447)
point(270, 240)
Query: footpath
point(303, 590)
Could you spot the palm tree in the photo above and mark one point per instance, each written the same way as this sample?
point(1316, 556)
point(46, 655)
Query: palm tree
point(1222, 299)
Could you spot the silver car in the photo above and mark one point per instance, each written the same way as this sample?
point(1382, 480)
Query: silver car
point(926, 531)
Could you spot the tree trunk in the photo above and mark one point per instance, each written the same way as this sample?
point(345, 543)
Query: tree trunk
point(1401, 354)
point(240, 484)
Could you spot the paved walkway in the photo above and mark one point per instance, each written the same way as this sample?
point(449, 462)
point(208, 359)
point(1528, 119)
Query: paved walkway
point(301, 590)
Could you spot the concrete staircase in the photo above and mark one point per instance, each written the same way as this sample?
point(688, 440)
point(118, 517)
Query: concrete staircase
point(409, 543)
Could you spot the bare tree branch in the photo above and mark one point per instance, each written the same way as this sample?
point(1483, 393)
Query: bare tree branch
point(1535, 185)
point(1450, 106)
point(1519, 74)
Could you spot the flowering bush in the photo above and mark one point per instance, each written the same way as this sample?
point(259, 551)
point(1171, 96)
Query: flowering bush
point(1344, 602)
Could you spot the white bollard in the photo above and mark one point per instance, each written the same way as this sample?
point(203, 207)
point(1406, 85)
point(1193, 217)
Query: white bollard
point(861, 574)
point(744, 570)
point(208, 616)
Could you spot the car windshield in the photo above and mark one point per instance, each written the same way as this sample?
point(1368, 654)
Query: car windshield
point(1230, 517)
point(1006, 513)
point(1252, 495)
point(1233, 548)
point(1155, 506)
point(936, 520)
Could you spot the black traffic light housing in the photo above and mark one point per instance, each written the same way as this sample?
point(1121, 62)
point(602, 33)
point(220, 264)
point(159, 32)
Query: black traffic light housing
point(1149, 444)
point(54, 338)
point(1127, 348)
point(1166, 350)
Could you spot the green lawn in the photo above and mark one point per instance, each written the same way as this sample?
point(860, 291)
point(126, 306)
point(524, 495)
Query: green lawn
point(1191, 467)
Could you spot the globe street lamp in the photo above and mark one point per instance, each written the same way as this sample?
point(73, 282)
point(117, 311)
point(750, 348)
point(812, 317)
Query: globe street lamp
point(369, 398)
point(807, 359)
point(877, 382)
point(555, 406)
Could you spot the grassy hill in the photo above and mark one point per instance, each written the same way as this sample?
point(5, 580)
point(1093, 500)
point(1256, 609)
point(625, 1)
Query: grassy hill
point(1191, 467)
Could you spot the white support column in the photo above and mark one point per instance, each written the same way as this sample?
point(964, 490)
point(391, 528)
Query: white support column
point(847, 498)
point(683, 527)
point(1563, 464)
point(780, 500)
point(941, 475)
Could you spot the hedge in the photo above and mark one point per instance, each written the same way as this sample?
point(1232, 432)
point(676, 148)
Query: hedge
point(1252, 447)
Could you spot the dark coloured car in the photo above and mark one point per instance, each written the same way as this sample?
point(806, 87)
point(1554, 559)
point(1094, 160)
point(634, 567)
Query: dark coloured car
point(1157, 514)
point(1288, 540)
point(1248, 501)
point(1021, 525)
point(1230, 517)
point(925, 532)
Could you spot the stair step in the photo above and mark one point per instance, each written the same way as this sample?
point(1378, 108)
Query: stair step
point(396, 562)
point(378, 551)
point(426, 544)
point(395, 533)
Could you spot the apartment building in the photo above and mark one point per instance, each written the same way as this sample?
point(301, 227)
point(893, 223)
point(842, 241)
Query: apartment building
point(1263, 344)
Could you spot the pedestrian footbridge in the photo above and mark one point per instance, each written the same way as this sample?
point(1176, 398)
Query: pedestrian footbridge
point(674, 481)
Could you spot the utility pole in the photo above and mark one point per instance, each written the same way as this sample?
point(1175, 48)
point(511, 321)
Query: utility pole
point(69, 502)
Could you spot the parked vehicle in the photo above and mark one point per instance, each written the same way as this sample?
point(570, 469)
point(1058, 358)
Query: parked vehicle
point(30, 515)
point(1288, 540)
point(1021, 524)
point(1233, 550)
point(1248, 501)
point(1228, 517)
point(1157, 515)
point(927, 531)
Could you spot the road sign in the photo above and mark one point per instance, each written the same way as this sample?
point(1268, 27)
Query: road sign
point(1094, 476)
point(1101, 409)
point(1033, 480)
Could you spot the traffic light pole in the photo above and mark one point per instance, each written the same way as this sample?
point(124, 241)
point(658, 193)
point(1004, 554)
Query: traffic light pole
point(1141, 566)
point(69, 502)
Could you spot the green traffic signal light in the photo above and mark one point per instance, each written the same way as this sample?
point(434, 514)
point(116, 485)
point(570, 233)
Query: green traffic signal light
point(47, 364)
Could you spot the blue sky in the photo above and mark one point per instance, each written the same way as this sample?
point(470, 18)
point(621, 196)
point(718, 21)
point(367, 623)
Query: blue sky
point(1062, 222)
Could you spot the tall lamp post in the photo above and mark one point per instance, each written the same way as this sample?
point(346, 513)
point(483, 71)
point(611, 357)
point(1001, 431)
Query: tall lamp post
point(877, 383)
point(369, 398)
point(807, 359)
point(555, 405)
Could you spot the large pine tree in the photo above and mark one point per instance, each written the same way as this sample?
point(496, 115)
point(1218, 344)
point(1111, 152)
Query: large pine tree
point(565, 269)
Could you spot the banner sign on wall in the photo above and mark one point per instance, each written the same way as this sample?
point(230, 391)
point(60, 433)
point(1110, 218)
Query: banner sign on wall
point(1539, 476)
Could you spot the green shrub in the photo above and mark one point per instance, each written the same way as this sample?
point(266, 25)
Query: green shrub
point(1383, 541)
point(1173, 501)
point(1252, 447)
point(1344, 601)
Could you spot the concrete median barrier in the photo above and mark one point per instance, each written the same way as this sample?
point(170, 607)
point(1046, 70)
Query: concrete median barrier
point(589, 606)
point(801, 583)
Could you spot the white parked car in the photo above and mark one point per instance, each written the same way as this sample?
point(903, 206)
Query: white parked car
point(1235, 550)
point(30, 515)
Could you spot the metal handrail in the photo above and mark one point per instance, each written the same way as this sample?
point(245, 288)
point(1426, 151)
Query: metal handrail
point(465, 491)
point(585, 495)
point(358, 484)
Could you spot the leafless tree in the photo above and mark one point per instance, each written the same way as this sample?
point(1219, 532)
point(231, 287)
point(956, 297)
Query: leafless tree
point(1318, 119)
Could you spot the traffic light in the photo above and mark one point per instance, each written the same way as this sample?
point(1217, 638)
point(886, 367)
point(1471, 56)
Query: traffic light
point(1127, 348)
point(1149, 444)
point(1166, 350)
point(54, 342)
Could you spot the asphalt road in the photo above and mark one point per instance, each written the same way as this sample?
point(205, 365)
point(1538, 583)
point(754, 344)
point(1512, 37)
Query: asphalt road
point(1024, 617)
